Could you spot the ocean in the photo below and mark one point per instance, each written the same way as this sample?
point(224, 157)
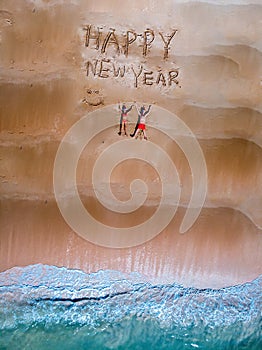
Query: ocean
point(45, 307)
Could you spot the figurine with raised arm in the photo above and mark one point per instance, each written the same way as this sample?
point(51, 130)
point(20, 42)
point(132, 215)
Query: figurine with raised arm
point(123, 118)
point(141, 121)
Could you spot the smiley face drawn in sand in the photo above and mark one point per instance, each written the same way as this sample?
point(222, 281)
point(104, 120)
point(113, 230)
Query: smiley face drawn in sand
point(6, 18)
point(93, 98)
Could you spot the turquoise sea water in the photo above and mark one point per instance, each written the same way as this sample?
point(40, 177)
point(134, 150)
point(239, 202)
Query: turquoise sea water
point(45, 307)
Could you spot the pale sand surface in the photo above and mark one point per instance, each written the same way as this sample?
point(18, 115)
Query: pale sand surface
point(223, 248)
point(42, 87)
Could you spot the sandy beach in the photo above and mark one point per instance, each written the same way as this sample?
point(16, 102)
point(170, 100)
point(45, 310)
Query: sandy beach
point(45, 90)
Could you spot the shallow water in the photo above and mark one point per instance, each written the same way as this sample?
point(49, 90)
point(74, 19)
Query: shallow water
point(45, 307)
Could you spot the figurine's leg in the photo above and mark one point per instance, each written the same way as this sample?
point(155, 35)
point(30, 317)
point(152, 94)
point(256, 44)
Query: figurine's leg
point(120, 129)
point(125, 129)
point(134, 132)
